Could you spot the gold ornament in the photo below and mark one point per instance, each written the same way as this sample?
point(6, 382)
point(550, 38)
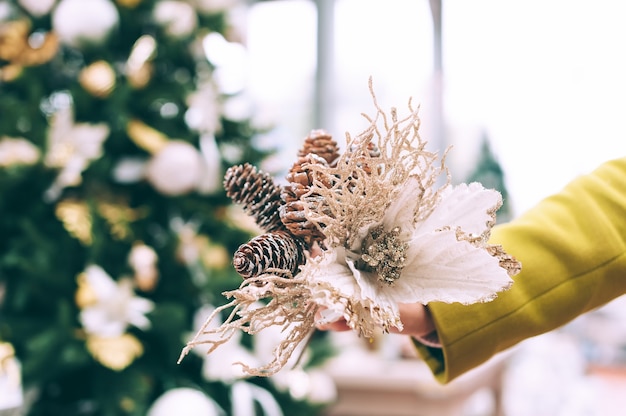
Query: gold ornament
point(115, 353)
point(76, 219)
point(10, 72)
point(143, 260)
point(215, 256)
point(144, 136)
point(129, 4)
point(98, 79)
point(7, 352)
point(85, 294)
point(19, 47)
point(18, 151)
point(119, 217)
point(9, 369)
point(139, 66)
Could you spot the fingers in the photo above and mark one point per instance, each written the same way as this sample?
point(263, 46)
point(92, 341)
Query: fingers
point(339, 326)
point(416, 320)
point(415, 317)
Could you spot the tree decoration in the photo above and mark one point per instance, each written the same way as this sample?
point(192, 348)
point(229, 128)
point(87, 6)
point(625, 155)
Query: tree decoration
point(112, 305)
point(392, 235)
point(79, 23)
point(146, 137)
point(76, 218)
point(17, 151)
point(176, 169)
point(257, 193)
point(37, 7)
point(119, 217)
point(191, 402)
point(19, 47)
point(98, 79)
point(276, 250)
point(139, 66)
point(131, 4)
point(107, 309)
point(143, 260)
point(115, 352)
point(178, 18)
point(71, 146)
point(116, 228)
point(12, 397)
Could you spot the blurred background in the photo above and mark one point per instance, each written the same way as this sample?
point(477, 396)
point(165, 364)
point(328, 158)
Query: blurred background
point(118, 119)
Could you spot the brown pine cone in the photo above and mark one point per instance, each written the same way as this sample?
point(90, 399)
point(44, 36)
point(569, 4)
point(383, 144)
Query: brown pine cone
point(320, 143)
point(257, 193)
point(292, 213)
point(274, 250)
point(373, 152)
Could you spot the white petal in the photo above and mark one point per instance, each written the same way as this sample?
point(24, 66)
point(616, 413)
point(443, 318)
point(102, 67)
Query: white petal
point(401, 210)
point(101, 283)
point(446, 270)
point(465, 206)
point(332, 269)
point(96, 320)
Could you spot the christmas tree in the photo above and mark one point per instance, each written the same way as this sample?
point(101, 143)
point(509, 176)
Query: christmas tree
point(116, 129)
point(489, 172)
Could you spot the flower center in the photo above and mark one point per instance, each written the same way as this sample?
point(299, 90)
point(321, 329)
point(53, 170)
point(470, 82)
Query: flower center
point(385, 253)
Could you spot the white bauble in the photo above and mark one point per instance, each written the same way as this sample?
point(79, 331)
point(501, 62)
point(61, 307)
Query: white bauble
point(175, 169)
point(84, 21)
point(215, 6)
point(184, 401)
point(178, 18)
point(212, 175)
point(37, 8)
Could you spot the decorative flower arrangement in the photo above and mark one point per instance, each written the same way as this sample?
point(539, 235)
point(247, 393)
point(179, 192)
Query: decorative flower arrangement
point(354, 234)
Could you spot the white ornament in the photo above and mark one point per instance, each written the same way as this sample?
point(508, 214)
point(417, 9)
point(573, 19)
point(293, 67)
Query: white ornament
point(17, 151)
point(184, 401)
point(175, 169)
point(37, 8)
point(129, 170)
point(204, 109)
point(12, 397)
point(116, 306)
point(212, 175)
point(215, 6)
point(179, 18)
point(84, 21)
point(143, 260)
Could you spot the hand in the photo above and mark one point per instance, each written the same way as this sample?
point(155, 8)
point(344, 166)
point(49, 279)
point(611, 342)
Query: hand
point(415, 317)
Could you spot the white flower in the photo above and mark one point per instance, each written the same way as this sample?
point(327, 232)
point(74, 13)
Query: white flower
point(440, 259)
point(115, 306)
point(71, 146)
point(391, 236)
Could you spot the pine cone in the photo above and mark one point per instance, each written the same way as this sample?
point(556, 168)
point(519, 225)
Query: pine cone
point(257, 192)
point(300, 179)
point(373, 152)
point(274, 250)
point(320, 143)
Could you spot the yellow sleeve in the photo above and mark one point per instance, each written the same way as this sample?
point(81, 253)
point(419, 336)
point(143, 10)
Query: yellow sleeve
point(572, 247)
